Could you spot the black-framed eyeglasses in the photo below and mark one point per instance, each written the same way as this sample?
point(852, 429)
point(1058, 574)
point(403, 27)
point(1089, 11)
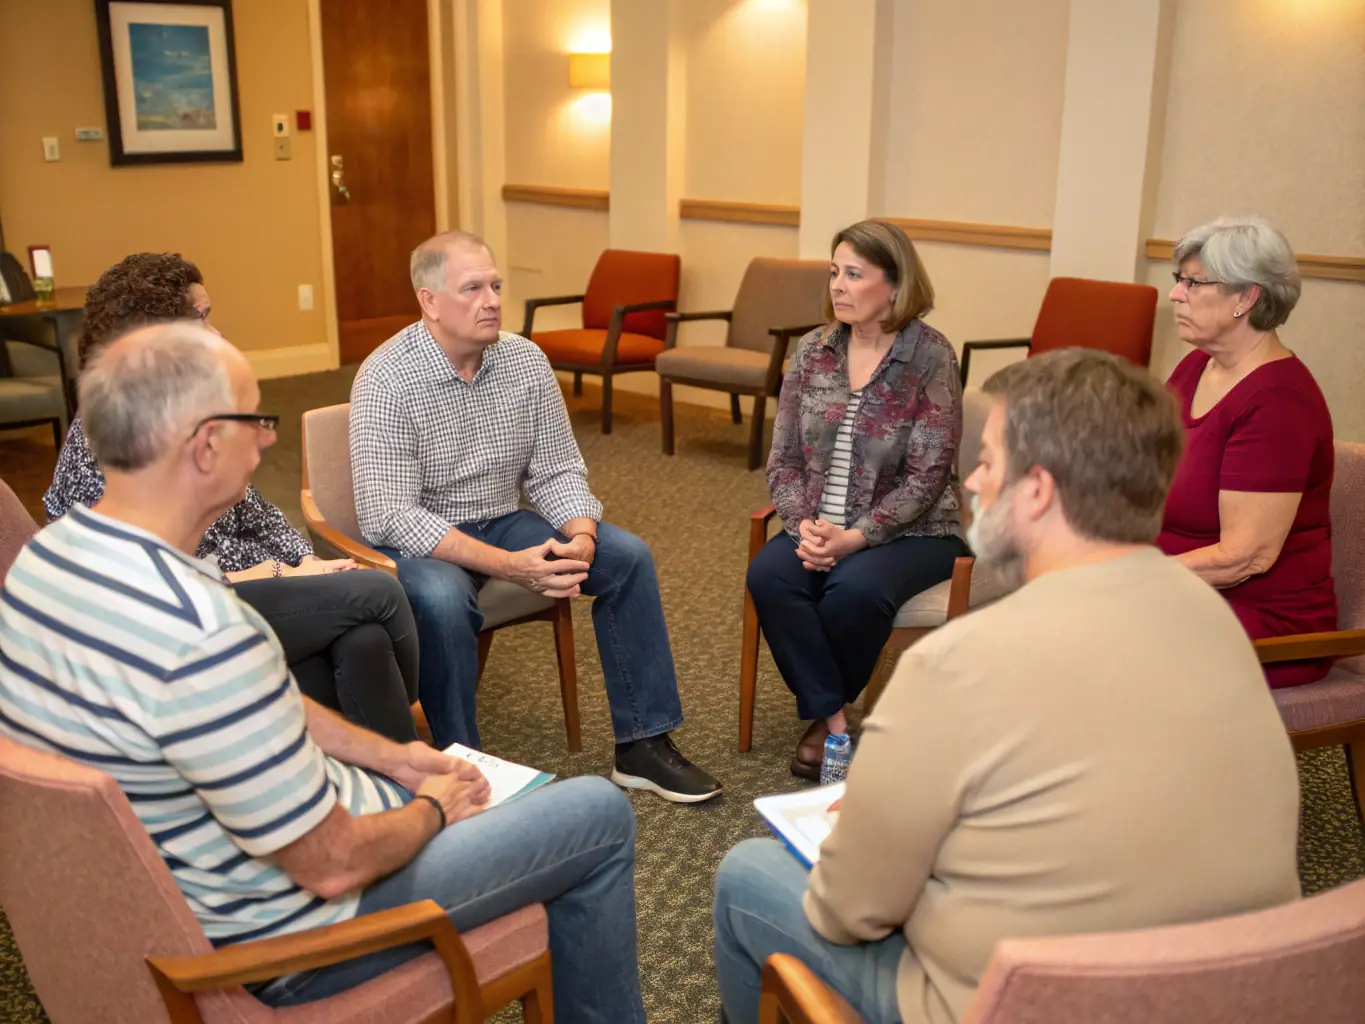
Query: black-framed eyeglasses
point(262, 420)
point(1190, 283)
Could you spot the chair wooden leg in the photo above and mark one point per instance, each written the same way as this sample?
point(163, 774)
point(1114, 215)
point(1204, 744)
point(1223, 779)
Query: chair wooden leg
point(748, 674)
point(756, 433)
point(538, 1005)
point(485, 645)
point(736, 416)
point(568, 674)
point(1355, 771)
point(606, 403)
point(666, 414)
point(578, 385)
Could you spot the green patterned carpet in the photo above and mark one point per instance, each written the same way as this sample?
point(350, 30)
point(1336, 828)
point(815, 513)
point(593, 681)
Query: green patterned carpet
point(692, 510)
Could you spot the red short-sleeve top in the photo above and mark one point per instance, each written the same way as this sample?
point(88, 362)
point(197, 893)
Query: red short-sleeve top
point(1271, 433)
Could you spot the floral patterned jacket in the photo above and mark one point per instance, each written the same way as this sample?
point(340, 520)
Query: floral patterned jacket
point(905, 436)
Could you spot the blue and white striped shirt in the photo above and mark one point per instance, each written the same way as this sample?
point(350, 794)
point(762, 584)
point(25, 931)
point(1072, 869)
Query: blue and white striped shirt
point(126, 655)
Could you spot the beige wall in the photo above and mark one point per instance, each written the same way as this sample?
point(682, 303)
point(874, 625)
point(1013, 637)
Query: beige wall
point(252, 227)
point(1266, 114)
point(554, 135)
point(973, 133)
point(745, 80)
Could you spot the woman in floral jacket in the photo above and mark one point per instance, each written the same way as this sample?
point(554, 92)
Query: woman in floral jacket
point(862, 474)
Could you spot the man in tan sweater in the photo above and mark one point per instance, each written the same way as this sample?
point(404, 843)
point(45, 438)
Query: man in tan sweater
point(1098, 751)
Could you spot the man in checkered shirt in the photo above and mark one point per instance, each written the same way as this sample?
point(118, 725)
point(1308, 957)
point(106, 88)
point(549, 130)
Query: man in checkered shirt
point(451, 420)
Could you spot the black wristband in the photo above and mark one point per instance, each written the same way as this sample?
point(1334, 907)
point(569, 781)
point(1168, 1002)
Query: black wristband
point(434, 803)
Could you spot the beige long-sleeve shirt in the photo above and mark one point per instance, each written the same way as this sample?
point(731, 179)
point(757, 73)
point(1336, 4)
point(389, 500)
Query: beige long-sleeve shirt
point(1096, 752)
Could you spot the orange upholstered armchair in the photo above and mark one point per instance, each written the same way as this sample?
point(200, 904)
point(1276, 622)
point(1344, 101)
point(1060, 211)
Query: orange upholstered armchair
point(623, 320)
point(1077, 312)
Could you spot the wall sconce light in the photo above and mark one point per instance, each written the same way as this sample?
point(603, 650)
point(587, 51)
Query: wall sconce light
point(590, 71)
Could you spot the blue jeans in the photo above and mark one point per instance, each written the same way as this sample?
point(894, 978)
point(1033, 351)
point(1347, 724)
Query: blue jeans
point(570, 846)
point(758, 913)
point(826, 630)
point(627, 616)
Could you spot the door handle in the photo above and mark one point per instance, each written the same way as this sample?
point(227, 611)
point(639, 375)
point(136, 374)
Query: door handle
point(339, 179)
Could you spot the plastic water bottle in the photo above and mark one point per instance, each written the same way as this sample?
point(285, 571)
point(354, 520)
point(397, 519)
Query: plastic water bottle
point(838, 754)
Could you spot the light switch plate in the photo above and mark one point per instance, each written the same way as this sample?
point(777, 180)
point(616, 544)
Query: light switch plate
point(305, 297)
point(283, 151)
point(279, 125)
point(52, 150)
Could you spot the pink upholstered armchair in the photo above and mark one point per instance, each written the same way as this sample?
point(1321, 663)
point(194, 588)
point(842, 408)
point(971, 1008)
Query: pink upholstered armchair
point(106, 935)
point(1304, 961)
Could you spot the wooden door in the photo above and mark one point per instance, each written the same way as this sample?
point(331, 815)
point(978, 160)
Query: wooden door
point(379, 140)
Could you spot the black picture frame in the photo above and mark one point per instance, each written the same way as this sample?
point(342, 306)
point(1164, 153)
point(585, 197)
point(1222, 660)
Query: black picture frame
point(119, 155)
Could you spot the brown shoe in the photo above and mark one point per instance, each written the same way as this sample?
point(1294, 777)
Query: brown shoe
point(810, 751)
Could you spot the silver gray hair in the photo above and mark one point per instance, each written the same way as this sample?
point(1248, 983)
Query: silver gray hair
point(427, 266)
point(1239, 252)
point(140, 396)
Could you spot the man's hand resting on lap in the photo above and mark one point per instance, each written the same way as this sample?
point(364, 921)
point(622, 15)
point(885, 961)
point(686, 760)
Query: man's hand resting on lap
point(462, 793)
point(554, 577)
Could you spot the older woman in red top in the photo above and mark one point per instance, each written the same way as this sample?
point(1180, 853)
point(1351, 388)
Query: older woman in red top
point(1248, 511)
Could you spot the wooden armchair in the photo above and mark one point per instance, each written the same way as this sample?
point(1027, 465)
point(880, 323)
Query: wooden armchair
point(1298, 961)
point(623, 320)
point(969, 587)
point(774, 292)
point(1331, 711)
point(113, 939)
point(328, 502)
point(1107, 315)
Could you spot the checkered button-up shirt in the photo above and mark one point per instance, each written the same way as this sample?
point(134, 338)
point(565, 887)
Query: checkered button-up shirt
point(431, 450)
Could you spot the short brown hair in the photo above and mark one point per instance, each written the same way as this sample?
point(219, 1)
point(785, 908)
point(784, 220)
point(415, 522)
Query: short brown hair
point(1108, 432)
point(888, 247)
point(144, 288)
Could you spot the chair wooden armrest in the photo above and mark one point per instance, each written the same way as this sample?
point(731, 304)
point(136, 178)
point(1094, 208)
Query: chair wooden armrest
point(1343, 643)
point(177, 977)
point(533, 304)
point(782, 339)
point(673, 319)
point(792, 992)
point(362, 554)
point(971, 346)
point(758, 529)
point(618, 322)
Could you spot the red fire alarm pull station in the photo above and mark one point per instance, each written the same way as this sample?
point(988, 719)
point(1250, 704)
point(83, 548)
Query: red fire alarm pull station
point(303, 120)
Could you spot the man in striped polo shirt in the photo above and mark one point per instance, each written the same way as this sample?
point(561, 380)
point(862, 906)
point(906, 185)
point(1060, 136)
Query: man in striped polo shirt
point(120, 650)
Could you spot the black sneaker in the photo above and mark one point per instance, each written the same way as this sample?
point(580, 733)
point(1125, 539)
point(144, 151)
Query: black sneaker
point(657, 765)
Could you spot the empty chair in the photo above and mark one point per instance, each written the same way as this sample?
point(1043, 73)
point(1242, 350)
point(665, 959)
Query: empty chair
point(33, 390)
point(778, 300)
point(1078, 312)
point(623, 320)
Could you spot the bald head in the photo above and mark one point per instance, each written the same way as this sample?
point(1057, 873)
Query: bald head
point(428, 263)
point(146, 390)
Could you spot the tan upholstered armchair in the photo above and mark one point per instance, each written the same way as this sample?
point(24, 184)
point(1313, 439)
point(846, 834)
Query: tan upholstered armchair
point(328, 501)
point(33, 389)
point(778, 301)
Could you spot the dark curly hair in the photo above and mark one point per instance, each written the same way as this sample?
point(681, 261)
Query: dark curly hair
point(143, 288)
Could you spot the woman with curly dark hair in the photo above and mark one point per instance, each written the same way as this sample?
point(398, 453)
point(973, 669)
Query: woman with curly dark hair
point(350, 639)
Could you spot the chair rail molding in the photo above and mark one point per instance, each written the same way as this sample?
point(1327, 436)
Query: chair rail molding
point(780, 214)
point(989, 236)
point(1328, 268)
point(552, 195)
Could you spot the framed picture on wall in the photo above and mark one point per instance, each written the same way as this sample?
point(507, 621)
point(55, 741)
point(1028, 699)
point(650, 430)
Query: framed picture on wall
point(170, 80)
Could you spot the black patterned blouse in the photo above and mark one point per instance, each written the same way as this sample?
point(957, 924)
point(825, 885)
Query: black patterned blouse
point(251, 532)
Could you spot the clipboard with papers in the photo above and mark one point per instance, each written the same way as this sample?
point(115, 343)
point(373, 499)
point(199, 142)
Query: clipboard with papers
point(802, 820)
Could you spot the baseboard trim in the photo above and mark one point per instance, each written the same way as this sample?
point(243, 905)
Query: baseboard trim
point(290, 361)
